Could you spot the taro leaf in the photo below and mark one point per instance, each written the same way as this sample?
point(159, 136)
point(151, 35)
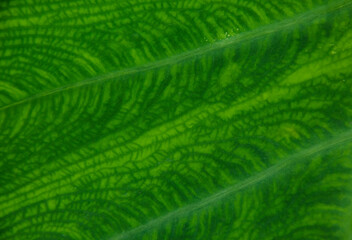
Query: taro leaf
point(176, 119)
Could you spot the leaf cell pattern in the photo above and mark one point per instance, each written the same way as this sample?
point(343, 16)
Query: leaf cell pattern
point(175, 119)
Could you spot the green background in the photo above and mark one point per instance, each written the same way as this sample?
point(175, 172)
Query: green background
point(176, 119)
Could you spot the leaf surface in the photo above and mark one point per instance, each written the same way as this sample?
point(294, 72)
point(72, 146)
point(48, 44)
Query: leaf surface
point(176, 119)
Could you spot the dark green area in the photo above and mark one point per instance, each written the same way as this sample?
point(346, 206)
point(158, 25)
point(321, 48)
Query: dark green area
point(176, 120)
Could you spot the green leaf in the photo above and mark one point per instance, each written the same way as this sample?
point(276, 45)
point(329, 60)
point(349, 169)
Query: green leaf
point(176, 119)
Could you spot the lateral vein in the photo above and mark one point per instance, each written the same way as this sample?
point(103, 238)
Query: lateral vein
point(341, 139)
point(255, 34)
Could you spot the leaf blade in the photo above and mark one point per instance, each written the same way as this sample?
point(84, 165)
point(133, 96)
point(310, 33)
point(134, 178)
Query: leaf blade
point(93, 161)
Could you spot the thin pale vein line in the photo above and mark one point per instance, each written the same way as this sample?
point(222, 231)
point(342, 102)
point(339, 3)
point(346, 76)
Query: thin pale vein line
point(256, 34)
point(336, 141)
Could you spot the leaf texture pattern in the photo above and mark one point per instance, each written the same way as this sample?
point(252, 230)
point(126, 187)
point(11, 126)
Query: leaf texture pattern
point(176, 119)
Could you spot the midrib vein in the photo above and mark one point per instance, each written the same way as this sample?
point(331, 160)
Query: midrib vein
point(192, 208)
point(307, 17)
